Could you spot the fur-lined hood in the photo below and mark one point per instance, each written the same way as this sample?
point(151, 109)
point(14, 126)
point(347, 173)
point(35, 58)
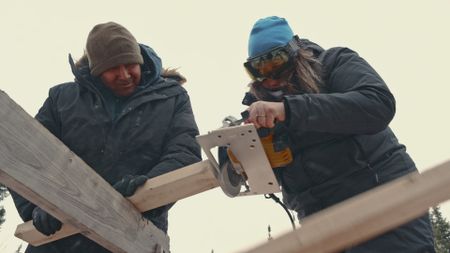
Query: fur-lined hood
point(173, 74)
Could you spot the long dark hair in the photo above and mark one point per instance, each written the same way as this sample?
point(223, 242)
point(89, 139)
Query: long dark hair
point(303, 76)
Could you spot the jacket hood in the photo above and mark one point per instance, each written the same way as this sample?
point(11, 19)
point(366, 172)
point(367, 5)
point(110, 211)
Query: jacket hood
point(309, 45)
point(152, 67)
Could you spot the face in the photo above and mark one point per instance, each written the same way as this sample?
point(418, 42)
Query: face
point(122, 79)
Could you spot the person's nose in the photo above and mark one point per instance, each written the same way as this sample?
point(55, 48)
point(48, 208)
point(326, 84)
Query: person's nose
point(123, 72)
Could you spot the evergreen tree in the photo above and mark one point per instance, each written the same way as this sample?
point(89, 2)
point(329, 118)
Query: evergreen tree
point(19, 250)
point(441, 230)
point(3, 194)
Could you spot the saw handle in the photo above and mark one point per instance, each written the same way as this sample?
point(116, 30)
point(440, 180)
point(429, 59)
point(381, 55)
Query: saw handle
point(278, 152)
point(277, 158)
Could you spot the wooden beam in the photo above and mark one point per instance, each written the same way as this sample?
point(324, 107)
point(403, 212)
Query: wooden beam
point(42, 169)
point(366, 215)
point(175, 185)
point(158, 191)
point(27, 232)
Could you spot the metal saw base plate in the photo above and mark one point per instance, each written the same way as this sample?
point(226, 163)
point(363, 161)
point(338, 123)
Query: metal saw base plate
point(245, 144)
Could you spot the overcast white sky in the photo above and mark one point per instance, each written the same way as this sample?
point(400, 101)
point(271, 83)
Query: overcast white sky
point(405, 41)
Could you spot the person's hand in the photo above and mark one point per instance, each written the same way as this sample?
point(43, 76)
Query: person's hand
point(44, 222)
point(264, 114)
point(129, 184)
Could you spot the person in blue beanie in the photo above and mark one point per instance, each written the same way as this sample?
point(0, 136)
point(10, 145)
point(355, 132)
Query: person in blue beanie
point(126, 116)
point(334, 110)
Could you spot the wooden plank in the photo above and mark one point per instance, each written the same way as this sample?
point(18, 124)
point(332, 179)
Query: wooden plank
point(176, 185)
point(366, 215)
point(158, 191)
point(41, 168)
point(27, 232)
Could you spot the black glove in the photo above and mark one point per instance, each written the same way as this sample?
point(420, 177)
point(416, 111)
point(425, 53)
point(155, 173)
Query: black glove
point(129, 183)
point(44, 222)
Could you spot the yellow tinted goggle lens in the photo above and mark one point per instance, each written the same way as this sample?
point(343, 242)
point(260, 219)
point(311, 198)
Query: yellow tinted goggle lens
point(267, 68)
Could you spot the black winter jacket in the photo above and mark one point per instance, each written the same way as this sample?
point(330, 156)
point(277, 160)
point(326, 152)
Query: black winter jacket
point(149, 133)
point(339, 133)
point(342, 144)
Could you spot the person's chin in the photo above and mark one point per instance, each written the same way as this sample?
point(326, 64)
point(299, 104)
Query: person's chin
point(125, 92)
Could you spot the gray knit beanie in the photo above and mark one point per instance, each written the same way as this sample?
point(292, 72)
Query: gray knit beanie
point(109, 45)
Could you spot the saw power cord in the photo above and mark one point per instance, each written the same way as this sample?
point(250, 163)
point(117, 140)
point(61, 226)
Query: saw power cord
point(277, 200)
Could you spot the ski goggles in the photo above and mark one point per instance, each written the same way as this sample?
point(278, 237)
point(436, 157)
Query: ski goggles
point(272, 63)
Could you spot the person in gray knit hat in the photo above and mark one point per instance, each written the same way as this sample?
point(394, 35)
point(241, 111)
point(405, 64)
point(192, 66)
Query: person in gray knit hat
point(125, 116)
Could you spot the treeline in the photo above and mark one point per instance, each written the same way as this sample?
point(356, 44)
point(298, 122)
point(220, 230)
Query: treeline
point(3, 194)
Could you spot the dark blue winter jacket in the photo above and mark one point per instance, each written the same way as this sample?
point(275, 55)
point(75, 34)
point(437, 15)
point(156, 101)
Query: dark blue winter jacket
point(151, 132)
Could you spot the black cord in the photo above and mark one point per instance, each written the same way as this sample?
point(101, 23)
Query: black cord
point(277, 200)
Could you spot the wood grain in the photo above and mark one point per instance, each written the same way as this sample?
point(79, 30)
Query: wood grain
point(366, 215)
point(158, 191)
point(42, 169)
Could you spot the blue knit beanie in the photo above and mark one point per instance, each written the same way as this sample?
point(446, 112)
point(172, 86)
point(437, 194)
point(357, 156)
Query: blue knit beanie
point(268, 33)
